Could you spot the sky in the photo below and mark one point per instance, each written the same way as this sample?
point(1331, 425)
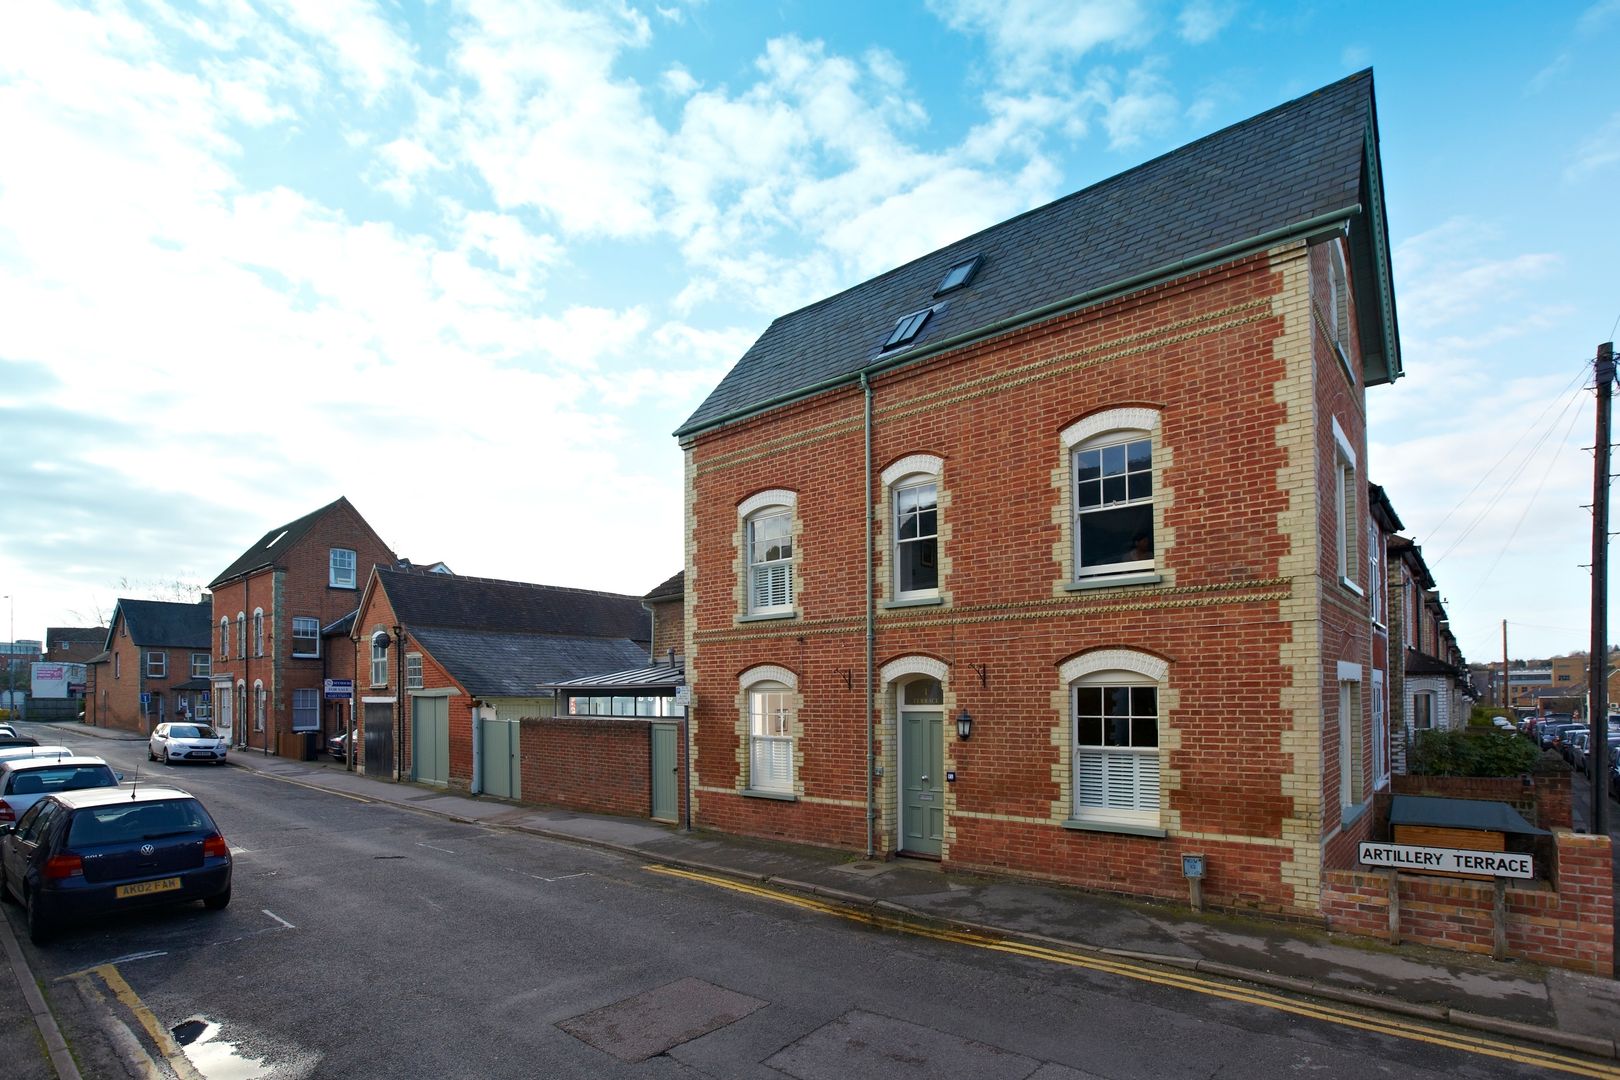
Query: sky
point(470, 262)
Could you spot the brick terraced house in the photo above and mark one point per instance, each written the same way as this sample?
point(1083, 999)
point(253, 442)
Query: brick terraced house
point(155, 666)
point(1080, 502)
point(270, 606)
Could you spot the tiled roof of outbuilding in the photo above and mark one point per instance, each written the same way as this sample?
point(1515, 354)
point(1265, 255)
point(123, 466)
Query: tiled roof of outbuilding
point(496, 664)
point(1297, 168)
point(486, 604)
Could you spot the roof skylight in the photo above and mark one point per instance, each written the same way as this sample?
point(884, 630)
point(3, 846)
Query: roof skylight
point(907, 327)
point(959, 275)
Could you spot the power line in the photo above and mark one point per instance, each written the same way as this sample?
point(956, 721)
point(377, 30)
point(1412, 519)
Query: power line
point(1551, 461)
point(1574, 389)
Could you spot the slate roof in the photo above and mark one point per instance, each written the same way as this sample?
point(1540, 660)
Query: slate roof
point(157, 623)
point(672, 588)
point(80, 635)
point(272, 544)
point(486, 604)
point(1292, 171)
point(499, 664)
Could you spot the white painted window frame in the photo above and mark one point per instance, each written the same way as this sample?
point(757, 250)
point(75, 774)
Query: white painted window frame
point(1114, 668)
point(341, 571)
point(770, 694)
point(768, 506)
point(309, 620)
point(157, 664)
point(1095, 432)
point(909, 474)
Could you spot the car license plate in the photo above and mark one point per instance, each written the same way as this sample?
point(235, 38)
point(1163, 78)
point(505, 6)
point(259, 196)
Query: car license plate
point(146, 888)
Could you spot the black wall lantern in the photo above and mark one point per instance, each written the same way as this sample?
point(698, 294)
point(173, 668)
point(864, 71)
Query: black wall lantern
point(964, 724)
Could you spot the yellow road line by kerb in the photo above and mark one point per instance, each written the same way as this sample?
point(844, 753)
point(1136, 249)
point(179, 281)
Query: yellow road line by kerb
point(171, 1051)
point(1471, 1043)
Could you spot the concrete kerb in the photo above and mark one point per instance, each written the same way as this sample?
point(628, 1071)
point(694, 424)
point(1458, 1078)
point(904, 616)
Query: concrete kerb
point(55, 1045)
point(1585, 1044)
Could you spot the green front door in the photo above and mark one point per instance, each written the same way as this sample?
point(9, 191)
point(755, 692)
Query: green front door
point(430, 740)
point(666, 769)
point(922, 771)
point(498, 744)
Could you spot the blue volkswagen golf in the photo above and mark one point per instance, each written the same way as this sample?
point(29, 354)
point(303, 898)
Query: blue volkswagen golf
point(105, 850)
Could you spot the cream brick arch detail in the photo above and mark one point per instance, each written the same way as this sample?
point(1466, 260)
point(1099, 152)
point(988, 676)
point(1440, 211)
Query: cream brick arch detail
point(899, 668)
point(911, 464)
point(1079, 667)
point(768, 673)
point(1110, 420)
point(773, 497)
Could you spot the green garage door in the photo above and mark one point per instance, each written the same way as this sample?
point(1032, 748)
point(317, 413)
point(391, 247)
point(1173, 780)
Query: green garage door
point(498, 744)
point(430, 740)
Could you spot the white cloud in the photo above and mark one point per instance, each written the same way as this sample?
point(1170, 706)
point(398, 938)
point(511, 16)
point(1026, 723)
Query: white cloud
point(1594, 17)
point(1201, 20)
point(1145, 106)
point(367, 52)
point(1596, 154)
point(548, 125)
point(1444, 275)
point(1027, 35)
point(678, 82)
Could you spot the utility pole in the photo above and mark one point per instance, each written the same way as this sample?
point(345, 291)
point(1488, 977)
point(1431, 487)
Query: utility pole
point(1598, 744)
point(1505, 671)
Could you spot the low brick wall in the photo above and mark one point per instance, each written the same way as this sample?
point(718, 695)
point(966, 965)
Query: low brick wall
point(600, 765)
point(1543, 798)
point(1566, 922)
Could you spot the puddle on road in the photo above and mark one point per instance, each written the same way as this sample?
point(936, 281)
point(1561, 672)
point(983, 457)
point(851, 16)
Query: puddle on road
point(217, 1059)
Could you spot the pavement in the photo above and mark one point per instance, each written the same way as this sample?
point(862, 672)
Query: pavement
point(1549, 1006)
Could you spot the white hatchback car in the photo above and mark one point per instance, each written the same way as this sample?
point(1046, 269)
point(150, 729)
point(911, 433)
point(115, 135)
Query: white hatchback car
point(25, 781)
point(185, 742)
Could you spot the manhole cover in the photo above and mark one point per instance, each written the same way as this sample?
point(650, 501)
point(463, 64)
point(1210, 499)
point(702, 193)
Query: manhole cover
point(648, 1024)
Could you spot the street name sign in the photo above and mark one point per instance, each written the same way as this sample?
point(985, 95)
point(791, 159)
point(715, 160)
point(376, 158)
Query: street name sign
point(1447, 860)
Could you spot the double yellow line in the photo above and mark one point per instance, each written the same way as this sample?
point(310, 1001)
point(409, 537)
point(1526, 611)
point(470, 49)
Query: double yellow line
point(1398, 1028)
point(173, 1055)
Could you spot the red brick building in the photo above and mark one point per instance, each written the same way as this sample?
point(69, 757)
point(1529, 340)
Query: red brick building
point(155, 666)
point(452, 677)
point(1080, 501)
point(270, 607)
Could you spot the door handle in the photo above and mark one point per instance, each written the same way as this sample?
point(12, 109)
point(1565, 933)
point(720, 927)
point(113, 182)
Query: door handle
point(924, 778)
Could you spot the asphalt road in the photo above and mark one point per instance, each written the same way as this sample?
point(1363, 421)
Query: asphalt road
point(365, 941)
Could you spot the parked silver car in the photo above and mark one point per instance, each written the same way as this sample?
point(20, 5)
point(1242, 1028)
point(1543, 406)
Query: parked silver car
point(11, 753)
point(185, 742)
point(25, 781)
